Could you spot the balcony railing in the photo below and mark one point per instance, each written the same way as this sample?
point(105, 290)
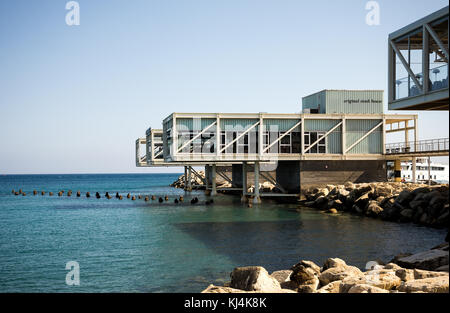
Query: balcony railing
point(438, 79)
point(431, 145)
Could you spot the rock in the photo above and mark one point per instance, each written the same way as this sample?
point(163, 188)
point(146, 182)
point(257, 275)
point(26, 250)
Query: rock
point(443, 268)
point(339, 273)
point(311, 287)
point(305, 274)
point(428, 260)
point(333, 262)
point(421, 274)
point(431, 285)
point(291, 285)
point(414, 205)
point(332, 211)
point(253, 278)
point(383, 190)
point(404, 197)
point(281, 276)
point(373, 209)
point(363, 288)
point(349, 282)
point(349, 186)
point(332, 287)
point(343, 192)
point(219, 289)
point(407, 213)
point(397, 257)
point(393, 266)
point(223, 289)
point(382, 278)
point(405, 274)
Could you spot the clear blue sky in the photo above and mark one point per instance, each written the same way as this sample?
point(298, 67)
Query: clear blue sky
point(74, 99)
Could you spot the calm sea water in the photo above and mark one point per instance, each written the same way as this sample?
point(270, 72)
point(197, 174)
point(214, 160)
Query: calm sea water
point(133, 246)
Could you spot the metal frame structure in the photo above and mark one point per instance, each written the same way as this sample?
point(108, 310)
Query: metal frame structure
point(425, 36)
point(264, 153)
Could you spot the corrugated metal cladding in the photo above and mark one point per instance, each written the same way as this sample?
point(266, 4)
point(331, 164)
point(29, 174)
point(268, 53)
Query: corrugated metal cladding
point(355, 129)
point(281, 125)
point(237, 124)
point(314, 101)
point(194, 123)
point(345, 101)
point(354, 101)
point(334, 140)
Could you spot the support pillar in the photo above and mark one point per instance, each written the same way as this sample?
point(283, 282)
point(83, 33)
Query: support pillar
point(414, 167)
point(429, 171)
point(189, 178)
point(185, 178)
point(213, 180)
point(244, 182)
point(397, 171)
point(256, 197)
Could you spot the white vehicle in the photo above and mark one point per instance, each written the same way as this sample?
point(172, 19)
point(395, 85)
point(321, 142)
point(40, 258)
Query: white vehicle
point(438, 172)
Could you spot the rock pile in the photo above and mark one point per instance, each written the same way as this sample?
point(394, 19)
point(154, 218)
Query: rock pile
point(418, 203)
point(196, 182)
point(336, 276)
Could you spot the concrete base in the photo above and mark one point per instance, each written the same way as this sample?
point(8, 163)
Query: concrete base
point(256, 200)
point(339, 172)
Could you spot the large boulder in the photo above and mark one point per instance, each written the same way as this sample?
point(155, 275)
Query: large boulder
point(333, 262)
point(305, 274)
point(339, 273)
point(383, 278)
point(432, 285)
point(364, 288)
point(281, 276)
point(253, 278)
point(427, 260)
point(221, 289)
point(373, 209)
point(332, 287)
point(421, 274)
point(404, 197)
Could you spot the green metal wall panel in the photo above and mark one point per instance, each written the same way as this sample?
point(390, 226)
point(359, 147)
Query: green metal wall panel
point(356, 129)
point(237, 124)
point(194, 124)
point(354, 101)
point(281, 125)
point(334, 140)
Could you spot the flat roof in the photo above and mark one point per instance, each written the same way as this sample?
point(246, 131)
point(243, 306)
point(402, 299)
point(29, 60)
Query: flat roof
point(414, 25)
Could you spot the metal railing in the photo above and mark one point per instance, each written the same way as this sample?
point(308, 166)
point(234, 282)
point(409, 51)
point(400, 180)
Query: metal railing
point(430, 145)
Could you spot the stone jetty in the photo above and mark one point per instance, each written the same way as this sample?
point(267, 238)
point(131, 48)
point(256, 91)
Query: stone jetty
point(400, 202)
point(423, 272)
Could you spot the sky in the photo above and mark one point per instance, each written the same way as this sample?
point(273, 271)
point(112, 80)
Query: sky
point(73, 99)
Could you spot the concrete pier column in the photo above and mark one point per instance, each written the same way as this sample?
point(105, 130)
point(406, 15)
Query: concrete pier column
point(429, 171)
point(244, 182)
point(213, 180)
point(185, 178)
point(256, 197)
point(207, 176)
point(189, 183)
point(397, 171)
point(414, 167)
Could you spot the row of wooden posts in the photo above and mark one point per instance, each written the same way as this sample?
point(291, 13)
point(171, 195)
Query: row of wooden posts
point(108, 196)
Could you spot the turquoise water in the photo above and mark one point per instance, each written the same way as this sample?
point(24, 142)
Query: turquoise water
point(134, 246)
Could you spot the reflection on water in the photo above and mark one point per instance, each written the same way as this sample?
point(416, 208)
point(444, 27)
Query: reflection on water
point(139, 246)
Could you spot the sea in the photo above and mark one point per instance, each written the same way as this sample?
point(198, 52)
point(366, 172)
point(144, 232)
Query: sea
point(138, 246)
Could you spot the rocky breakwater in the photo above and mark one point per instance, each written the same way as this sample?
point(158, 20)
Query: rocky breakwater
point(336, 276)
point(198, 183)
point(418, 203)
